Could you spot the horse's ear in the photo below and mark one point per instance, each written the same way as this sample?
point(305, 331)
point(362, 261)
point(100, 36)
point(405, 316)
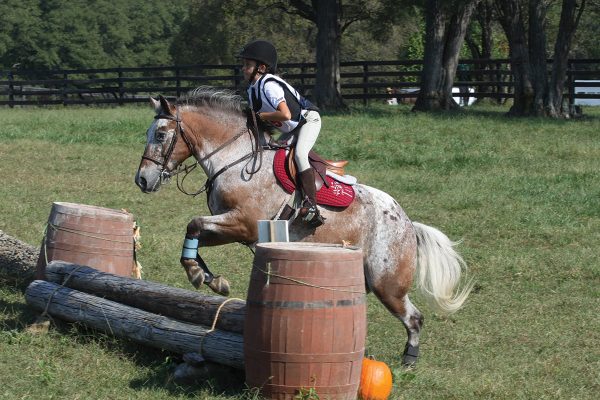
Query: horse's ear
point(167, 108)
point(155, 104)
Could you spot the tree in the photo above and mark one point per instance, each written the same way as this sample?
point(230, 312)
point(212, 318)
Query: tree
point(327, 16)
point(535, 91)
point(446, 24)
point(328, 93)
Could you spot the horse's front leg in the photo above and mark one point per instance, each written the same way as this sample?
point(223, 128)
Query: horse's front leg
point(211, 231)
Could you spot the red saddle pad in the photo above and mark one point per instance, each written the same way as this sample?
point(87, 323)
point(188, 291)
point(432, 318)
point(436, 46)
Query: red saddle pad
point(338, 194)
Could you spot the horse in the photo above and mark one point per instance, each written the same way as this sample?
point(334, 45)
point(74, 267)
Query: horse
point(212, 126)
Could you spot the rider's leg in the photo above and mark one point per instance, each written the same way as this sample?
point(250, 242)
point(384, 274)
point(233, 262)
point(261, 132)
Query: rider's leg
point(306, 139)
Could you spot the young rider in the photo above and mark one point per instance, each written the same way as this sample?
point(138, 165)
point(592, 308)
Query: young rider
point(279, 105)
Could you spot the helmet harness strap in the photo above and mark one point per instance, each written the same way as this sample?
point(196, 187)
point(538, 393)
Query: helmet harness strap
point(255, 72)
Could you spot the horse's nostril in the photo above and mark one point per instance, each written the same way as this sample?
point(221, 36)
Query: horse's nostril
point(143, 183)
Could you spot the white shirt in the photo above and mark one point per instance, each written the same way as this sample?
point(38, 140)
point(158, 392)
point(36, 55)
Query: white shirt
point(271, 95)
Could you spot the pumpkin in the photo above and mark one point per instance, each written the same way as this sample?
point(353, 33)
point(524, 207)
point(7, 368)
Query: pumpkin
point(375, 380)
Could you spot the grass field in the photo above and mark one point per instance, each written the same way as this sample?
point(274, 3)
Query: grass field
point(523, 195)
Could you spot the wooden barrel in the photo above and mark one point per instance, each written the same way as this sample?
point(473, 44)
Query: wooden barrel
point(101, 238)
point(305, 321)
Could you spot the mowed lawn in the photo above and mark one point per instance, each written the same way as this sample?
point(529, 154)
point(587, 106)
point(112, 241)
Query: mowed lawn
point(522, 196)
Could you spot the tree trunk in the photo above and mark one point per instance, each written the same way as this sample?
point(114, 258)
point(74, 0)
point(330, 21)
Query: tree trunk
point(537, 54)
point(430, 96)
point(511, 19)
point(141, 326)
point(445, 29)
point(327, 86)
point(569, 19)
point(459, 23)
point(184, 305)
point(485, 15)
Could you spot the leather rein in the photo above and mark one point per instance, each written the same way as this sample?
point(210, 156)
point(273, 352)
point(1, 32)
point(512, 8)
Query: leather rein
point(165, 174)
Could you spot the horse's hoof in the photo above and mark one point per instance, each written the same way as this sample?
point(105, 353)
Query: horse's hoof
point(219, 285)
point(410, 356)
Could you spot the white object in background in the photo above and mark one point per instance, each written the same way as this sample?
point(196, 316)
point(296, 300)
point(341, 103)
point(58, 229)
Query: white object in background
point(460, 99)
point(581, 89)
point(273, 231)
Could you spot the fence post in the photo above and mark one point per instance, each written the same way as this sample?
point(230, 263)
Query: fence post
point(302, 80)
point(64, 88)
point(121, 86)
point(11, 89)
point(365, 82)
point(236, 77)
point(571, 84)
point(178, 81)
point(499, 87)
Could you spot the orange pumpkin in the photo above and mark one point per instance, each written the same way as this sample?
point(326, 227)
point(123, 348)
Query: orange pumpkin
point(375, 380)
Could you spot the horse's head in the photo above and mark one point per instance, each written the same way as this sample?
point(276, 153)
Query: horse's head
point(166, 147)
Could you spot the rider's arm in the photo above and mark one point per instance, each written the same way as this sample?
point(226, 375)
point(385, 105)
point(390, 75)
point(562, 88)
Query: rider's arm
point(282, 113)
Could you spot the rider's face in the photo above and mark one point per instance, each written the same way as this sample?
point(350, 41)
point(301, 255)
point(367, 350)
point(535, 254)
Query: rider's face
point(248, 67)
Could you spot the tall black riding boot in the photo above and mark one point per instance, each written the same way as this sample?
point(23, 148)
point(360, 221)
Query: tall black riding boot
point(309, 211)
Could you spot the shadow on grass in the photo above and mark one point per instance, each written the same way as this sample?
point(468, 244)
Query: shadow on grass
point(19, 314)
point(488, 111)
point(160, 366)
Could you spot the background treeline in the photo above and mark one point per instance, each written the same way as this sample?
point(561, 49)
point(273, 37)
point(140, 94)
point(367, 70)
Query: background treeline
point(49, 34)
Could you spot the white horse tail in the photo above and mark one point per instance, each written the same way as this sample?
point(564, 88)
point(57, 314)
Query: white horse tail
point(439, 268)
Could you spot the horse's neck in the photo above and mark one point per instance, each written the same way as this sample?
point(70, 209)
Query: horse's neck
point(213, 138)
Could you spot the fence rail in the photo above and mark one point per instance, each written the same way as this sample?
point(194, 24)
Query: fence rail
point(360, 81)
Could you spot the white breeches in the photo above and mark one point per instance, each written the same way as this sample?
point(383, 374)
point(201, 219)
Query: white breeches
point(306, 139)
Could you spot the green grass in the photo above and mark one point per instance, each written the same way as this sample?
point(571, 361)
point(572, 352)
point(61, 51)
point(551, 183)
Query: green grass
point(523, 195)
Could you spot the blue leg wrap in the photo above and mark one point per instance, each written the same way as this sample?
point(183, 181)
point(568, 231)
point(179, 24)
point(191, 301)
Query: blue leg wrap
point(190, 248)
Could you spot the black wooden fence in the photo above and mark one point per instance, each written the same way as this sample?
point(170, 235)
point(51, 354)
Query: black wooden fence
point(360, 81)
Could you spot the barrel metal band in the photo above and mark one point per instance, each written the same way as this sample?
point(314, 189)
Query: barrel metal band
point(273, 356)
point(309, 304)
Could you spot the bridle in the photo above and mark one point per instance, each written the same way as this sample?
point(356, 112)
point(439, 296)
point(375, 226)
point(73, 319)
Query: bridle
point(165, 174)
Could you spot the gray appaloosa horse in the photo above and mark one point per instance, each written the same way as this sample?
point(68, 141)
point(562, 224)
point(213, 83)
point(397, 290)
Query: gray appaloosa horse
point(211, 126)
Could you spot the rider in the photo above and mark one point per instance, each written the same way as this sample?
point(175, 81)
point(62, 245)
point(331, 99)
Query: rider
point(279, 105)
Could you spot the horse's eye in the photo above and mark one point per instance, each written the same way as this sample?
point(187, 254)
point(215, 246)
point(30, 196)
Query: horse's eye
point(161, 136)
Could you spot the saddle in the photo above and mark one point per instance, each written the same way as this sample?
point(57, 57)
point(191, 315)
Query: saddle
point(320, 165)
point(332, 189)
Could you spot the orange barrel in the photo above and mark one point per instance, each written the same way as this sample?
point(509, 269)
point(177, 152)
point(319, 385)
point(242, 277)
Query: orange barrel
point(305, 321)
point(98, 237)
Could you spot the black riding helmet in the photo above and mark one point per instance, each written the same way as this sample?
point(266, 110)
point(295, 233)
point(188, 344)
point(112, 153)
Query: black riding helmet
point(261, 51)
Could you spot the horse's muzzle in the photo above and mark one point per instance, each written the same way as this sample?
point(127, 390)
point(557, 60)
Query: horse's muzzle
point(148, 183)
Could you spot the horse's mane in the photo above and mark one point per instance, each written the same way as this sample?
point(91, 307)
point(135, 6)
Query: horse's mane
point(223, 99)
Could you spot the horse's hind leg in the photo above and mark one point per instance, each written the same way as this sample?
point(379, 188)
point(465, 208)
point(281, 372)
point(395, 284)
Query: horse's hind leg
point(412, 319)
point(391, 275)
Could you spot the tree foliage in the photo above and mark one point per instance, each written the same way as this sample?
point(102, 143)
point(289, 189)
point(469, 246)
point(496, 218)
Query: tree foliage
point(86, 34)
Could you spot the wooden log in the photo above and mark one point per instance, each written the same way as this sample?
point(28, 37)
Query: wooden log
point(141, 326)
point(181, 304)
point(18, 259)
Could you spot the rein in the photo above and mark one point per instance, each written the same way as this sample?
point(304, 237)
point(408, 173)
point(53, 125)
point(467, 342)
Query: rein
point(165, 174)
